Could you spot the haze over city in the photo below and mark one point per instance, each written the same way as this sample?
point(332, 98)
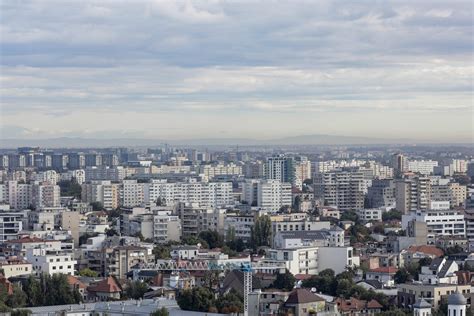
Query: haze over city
point(260, 70)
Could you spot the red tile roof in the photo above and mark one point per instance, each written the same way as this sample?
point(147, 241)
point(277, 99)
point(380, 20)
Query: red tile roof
point(108, 285)
point(354, 304)
point(75, 282)
point(26, 240)
point(389, 270)
point(302, 276)
point(427, 249)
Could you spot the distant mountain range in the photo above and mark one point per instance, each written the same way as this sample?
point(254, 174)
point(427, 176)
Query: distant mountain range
point(317, 139)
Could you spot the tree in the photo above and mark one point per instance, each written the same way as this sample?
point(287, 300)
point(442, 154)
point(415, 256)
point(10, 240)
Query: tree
point(212, 238)
point(230, 235)
point(349, 216)
point(18, 298)
point(50, 290)
point(86, 272)
point(20, 312)
point(211, 279)
point(136, 289)
point(111, 232)
point(453, 250)
point(231, 302)
point(392, 215)
point(162, 252)
point(70, 188)
point(261, 232)
point(160, 312)
point(193, 240)
point(97, 206)
point(402, 276)
point(426, 261)
point(284, 281)
point(199, 299)
point(33, 292)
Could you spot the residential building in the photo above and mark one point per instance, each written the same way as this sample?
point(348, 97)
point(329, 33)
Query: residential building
point(297, 260)
point(412, 194)
point(440, 271)
point(45, 195)
point(409, 293)
point(385, 275)
point(381, 193)
point(11, 223)
point(51, 261)
point(345, 258)
point(269, 195)
point(424, 167)
point(369, 215)
point(15, 266)
point(280, 168)
point(438, 222)
point(103, 191)
point(343, 189)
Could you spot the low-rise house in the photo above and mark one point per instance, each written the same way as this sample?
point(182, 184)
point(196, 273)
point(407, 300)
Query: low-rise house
point(51, 261)
point(78, 285)
point(354, 306)
point(15, 266)
point(21, 245)
point(369, 215)
point(385, 275)
point(107, 289)
point(303, 302)
point(330, 212)
point(415, 253)
point(439, 271)
point(409, 293)
point(267, 302)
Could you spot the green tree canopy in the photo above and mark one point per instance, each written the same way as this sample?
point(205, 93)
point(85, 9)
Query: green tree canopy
point(284, 281)
point(212, 238)
point(86, 272)
point(160, 312)
point(261, 232)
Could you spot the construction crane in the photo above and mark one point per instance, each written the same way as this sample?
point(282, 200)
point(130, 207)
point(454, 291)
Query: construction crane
point(186, 266)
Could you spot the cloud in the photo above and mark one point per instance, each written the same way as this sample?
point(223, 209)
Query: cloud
point(190, 58)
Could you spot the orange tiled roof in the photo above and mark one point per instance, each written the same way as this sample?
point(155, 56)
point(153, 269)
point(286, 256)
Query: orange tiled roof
point(427, 249)
point(390, 270)
point(108, 285)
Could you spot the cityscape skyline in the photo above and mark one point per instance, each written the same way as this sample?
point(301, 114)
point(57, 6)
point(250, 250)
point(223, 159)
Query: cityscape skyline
point(186, 70)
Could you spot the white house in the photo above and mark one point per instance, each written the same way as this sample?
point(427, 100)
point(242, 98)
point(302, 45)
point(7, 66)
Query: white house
point(51, 261)
point(385, 275)
point(337, 258)
point(440, 271)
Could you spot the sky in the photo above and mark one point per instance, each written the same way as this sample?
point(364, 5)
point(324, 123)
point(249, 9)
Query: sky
point(232, 69)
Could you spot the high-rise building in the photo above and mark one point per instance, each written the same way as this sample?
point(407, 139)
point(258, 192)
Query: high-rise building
point(269, 195)
point(381, 193)
point(412, 194)
point(104, 192)
point(45, 195)
point(343, 189)
point(399, 164)
point(280, 167)
point(424, 167)
point(76, 161)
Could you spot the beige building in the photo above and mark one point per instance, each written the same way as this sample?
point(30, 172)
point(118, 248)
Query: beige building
point(14, 267)
point(432, 293)
point(118, 261)
point(458, 194)
point(70, 221)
